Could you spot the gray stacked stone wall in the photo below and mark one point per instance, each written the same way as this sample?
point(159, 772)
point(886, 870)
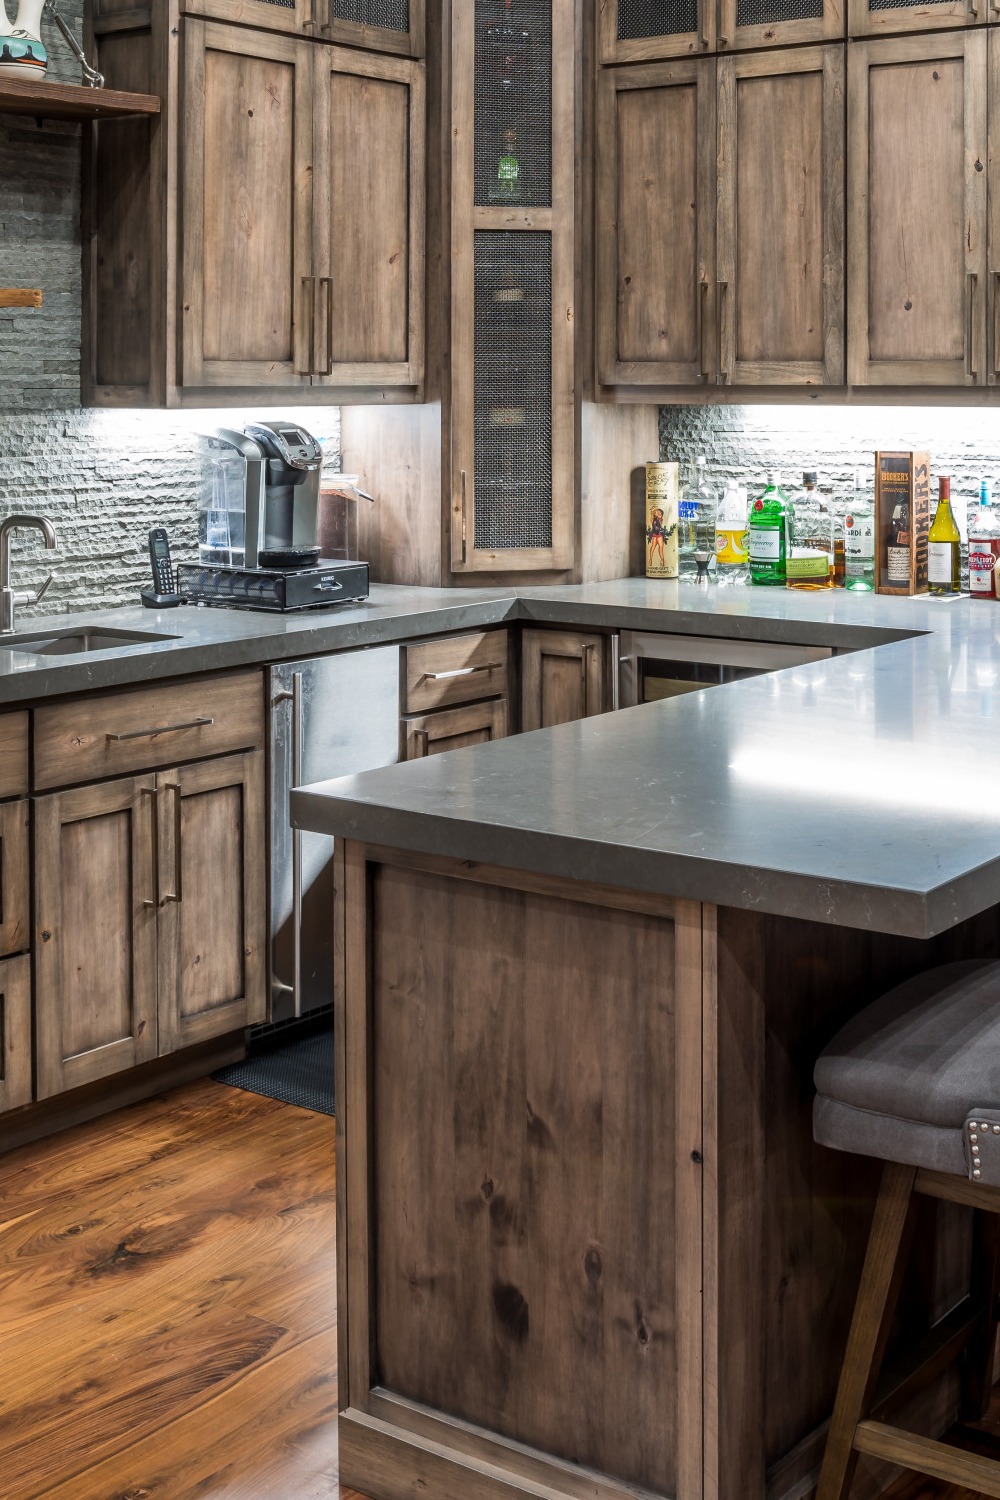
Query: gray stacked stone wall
point(103, 477)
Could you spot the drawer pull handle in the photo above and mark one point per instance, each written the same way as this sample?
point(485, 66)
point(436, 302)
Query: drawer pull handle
point(486, 666)
point(143, 734)
point(174, 786)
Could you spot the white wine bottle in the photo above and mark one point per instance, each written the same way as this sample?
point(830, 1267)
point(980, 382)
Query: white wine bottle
point(944, 545)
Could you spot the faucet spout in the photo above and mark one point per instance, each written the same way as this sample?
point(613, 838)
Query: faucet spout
point(8, 597)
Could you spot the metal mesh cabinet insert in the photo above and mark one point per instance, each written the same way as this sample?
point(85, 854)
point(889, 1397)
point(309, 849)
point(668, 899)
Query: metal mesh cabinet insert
point(376, 25)
point(513, 238)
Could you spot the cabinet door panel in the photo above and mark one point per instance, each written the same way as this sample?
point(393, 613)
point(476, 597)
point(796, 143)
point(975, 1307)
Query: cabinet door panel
point(640, 30)
point(95, 933)
point(781, 217)
point(885, 17)
point(562, 677)
point(212, 956)
point(15, 1032)
point(368, 222)
point(917, 211)
point(14, 919)
point(454, 728)
point(656, 224)
point(248, 287)
point(776, 23)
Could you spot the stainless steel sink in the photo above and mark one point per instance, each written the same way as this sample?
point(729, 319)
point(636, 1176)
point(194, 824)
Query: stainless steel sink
point(78, 642)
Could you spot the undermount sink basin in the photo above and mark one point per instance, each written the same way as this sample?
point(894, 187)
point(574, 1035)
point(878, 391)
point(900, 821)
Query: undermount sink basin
point(78, 642)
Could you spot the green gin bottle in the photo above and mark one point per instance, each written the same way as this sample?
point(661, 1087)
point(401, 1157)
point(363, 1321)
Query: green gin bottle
point(766, 525)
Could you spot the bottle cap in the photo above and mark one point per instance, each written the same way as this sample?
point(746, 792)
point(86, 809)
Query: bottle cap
point(984, 492)
point(810, 476)
point(944, 487)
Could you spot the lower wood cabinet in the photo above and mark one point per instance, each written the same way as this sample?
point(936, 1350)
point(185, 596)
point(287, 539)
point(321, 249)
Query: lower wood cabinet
point(15, 1032)
point(563, 677)
point(453, 728)
point(14, 919)
point(150, 917)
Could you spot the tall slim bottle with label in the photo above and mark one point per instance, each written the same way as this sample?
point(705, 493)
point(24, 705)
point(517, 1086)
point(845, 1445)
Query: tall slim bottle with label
point(766, 527)
point(944, 545)
point(731, 536)
point(984, 546)
point(859, 539)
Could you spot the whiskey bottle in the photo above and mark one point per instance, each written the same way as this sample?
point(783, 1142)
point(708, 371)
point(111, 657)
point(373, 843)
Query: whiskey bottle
point(944, 545)
point(766, 527)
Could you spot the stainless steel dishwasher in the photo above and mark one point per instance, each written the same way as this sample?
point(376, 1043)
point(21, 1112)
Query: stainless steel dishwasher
point(330, 716)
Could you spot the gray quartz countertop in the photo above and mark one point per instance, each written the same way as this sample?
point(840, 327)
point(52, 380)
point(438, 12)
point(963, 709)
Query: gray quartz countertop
point(860, 791)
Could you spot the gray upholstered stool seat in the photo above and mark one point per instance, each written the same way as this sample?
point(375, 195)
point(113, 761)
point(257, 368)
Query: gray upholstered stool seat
point(908, 1079)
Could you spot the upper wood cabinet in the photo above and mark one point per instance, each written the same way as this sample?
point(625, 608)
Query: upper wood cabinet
point(375, 25)
point(655, 206)
point(281, 194)
point(778, 23)
point(641, 30)
point(781, 217)
point(917, 211)
point(888, 17)
point(720, 229)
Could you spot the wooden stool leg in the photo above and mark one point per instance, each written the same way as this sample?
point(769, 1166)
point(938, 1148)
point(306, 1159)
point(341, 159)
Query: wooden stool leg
point(873, 1310)
point(977, 1382)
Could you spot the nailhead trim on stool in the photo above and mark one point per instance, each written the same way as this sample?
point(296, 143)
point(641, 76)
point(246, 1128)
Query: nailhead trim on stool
point(981, 1133)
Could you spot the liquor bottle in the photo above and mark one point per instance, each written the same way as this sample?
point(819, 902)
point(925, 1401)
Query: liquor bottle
point(809, 551)
point(944, 545)
point(508, 167)
point(695, 517)
point(731, 536)
point(984, 546)
point(661, 520)
point(898, 547)
point(859, 540)
point(766, 529)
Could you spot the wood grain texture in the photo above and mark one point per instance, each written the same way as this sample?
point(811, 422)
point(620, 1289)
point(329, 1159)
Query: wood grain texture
point(398, 456)
point(925, 15)
point(784, 270)
point(13, 755)
point(15, 920)
point(646, 49)
point(917, 134)
point(793, 31)
point(453, 728)
point(19, 297)
point(47, 100)
point(212, 941)
point(478, 662)
point(617, 443)
point(525, 1214)
point(187, 1245)
point(15, 1033)
point(563, 677)
point(655, 206)
point(73, 739)
point(95, 933)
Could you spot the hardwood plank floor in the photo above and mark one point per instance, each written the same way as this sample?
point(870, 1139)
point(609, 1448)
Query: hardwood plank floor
point(168, 1285)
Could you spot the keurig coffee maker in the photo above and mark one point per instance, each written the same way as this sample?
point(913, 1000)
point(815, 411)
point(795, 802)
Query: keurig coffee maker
point(257, 525)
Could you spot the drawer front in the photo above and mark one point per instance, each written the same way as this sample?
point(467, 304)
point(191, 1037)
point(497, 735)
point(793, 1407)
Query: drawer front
point(90, 739)
point(13, 755)
point(459, 669)
point(454, 728)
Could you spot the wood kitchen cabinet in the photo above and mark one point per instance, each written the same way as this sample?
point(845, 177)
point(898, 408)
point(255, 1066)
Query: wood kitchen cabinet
point(454, 728)
point(698, 282)
point(917, 211)
point(563, 677)
point(15, 1032)
point(376, 25)
point(875, 18)
point(453, 692)
point(281, 193)
point(644, 30)
point(14, 898)
point(780, 235)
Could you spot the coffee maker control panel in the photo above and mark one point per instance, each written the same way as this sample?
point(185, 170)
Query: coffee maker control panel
point(289, 445)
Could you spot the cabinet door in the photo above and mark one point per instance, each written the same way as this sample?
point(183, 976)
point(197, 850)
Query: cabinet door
point(916, 216)
point(453, 728)
point(640, 30)
point(993, 247)
point(656, 224)
point(376, 25)
point(888, 17)
point(562, 677)
point(781, 217)
point(14, 917)
point(15, 1032)
point(777, 23)
point(368, 232)
point(213, 921)
point(95, 932)
point(249, 293)
point(296, 17)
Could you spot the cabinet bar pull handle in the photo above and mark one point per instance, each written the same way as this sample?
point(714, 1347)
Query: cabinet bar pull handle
point(585, 651)
point(464, 496)
point(996, 309)
point(154, 792)
point(327, 281)
point(486, 666)
point(703, 22)
point(424, 749)
point(702, 361)
point(142, 734)
point(723, 287)
point(177, 894)
point(971, 281)
point(721, 39)
point(310, 282)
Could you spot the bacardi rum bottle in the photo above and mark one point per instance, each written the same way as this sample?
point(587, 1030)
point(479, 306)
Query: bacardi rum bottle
point(859, 539)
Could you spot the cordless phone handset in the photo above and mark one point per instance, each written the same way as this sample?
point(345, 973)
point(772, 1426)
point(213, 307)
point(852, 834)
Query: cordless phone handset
point(164, 591)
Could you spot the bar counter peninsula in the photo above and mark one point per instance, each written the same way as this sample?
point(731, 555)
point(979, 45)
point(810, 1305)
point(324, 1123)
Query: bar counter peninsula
point(587, 1247)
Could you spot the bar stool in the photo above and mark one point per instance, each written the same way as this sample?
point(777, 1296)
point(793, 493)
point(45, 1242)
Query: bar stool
point(915, 1081)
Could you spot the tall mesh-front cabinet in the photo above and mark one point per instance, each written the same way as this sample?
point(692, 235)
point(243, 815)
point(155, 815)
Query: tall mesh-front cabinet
point(513, 236)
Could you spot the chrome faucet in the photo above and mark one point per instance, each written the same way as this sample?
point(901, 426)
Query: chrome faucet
point(11, 598)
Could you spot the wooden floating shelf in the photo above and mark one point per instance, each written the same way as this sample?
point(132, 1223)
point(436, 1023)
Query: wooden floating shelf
point(12, 296)
point(71, 101)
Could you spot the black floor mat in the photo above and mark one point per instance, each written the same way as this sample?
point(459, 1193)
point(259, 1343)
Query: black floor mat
point(299, 1072)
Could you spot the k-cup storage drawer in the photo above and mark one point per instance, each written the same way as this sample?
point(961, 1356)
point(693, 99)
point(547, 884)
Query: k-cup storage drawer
point(458, 669)
point(13, 755)
point(90, 739)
